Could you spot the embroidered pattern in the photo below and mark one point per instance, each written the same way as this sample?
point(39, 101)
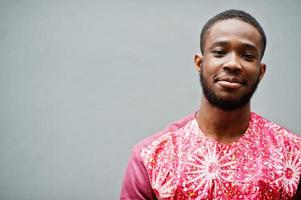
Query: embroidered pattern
point(265, 163)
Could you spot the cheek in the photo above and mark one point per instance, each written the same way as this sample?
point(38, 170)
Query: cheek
point(251, 69)
point(253, 76)
point(211, 68)
point(213, 65)
point(207, 74)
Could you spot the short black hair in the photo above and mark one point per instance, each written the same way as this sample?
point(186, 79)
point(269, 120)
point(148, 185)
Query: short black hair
point(233, 14)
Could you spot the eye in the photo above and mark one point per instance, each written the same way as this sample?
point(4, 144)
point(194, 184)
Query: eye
point(219, 53)
point(248, 56)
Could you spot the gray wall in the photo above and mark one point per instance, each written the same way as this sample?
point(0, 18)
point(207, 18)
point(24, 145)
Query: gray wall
point(82, 81)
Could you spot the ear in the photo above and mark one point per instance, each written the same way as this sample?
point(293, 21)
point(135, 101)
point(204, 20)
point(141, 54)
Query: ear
point(262, 70)
point(198, 59)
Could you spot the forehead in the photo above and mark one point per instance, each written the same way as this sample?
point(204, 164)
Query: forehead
point(233, 30)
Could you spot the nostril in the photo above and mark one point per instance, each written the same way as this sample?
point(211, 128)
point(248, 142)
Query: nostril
point(232, 71)
point(232, 67)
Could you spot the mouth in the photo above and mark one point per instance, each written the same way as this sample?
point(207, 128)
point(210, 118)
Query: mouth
point(230, 82)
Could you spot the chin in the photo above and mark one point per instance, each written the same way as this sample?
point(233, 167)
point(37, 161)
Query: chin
point(229, 96)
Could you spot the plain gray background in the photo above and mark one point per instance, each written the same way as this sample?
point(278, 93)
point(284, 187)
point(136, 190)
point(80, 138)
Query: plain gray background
point(82, 81)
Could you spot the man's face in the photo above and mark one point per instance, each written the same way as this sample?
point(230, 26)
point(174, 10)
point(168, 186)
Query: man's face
point(230, 68)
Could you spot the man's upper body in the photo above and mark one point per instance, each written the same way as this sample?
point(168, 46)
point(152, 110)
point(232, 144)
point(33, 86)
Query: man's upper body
point(181, 162)
point(223, 151)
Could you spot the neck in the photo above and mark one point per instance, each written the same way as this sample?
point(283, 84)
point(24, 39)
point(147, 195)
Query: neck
point(224, 126)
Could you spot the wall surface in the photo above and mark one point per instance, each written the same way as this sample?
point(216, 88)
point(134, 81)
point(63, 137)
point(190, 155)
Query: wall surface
point(82, 81)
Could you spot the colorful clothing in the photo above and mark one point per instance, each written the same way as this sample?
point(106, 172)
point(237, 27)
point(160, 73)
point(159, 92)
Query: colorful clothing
point(182, 163)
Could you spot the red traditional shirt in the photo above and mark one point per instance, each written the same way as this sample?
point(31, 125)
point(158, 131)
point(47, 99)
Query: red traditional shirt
point(182, 163)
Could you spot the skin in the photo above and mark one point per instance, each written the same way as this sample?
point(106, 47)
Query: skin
point(231, 65)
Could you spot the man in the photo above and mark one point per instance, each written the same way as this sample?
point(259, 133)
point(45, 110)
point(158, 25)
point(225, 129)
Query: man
point(223, 151)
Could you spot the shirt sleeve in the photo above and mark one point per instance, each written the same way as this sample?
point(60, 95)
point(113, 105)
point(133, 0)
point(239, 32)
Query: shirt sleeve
point(136, 184)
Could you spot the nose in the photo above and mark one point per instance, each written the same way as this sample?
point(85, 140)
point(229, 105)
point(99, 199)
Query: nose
point(232, 64)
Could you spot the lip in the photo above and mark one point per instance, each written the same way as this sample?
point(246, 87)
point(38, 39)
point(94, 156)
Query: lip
point(230, 83)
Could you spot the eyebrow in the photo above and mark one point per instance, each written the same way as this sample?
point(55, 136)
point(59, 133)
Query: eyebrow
point(250, 46)
point(219, 43)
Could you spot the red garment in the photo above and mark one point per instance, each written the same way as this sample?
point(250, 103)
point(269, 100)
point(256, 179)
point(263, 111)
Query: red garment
point(182, 163)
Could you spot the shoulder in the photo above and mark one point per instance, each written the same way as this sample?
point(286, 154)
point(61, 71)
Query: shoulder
point(158, 154)
point(161, 149)
point(276, 132)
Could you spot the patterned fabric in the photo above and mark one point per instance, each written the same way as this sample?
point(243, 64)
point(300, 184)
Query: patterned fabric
point(182, 163)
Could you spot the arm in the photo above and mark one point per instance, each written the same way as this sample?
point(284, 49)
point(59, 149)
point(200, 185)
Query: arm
point(136, 184)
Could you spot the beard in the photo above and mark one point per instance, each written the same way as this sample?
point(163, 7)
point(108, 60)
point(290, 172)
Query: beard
point(224, 104)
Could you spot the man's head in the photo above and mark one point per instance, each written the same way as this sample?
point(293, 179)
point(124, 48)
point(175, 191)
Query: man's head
point(232, 45)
